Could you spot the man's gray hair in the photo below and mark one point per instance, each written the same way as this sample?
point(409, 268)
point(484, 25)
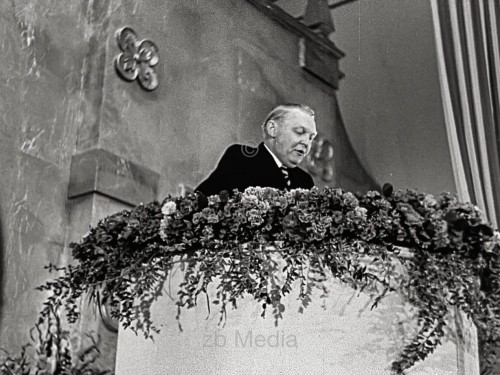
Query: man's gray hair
point(281, 112)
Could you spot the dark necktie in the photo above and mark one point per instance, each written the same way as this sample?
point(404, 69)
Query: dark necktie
point(284, 171)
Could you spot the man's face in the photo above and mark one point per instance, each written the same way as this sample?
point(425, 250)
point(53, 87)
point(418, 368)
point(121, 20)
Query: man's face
point(293, 137)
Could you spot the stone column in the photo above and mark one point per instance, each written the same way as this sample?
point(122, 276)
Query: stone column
point(102, 183)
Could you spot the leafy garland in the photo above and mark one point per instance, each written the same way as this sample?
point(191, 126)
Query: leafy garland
point(451, 256)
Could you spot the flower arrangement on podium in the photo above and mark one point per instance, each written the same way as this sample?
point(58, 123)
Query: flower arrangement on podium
point(449, 253)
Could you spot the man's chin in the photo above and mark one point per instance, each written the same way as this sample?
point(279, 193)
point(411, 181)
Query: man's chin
point(294, 163)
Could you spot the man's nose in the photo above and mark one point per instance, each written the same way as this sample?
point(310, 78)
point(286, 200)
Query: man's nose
point(306, 142)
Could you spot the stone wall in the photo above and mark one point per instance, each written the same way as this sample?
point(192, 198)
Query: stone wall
point(43, 99)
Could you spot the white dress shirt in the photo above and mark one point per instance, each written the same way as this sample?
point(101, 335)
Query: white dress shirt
point(278, 161)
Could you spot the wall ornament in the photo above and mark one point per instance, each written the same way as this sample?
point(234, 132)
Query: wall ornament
point(320, 159)
point(137, 59)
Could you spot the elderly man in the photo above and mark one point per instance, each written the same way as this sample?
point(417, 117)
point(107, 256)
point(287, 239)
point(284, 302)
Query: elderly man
point(288, 133)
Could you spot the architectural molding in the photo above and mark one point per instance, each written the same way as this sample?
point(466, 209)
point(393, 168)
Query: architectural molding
point(103, 172)
point(288, 22)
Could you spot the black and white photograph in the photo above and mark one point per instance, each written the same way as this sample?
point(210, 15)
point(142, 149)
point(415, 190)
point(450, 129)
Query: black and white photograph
point(249, 187)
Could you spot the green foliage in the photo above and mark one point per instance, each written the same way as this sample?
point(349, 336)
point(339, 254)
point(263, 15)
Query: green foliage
point(449, 253)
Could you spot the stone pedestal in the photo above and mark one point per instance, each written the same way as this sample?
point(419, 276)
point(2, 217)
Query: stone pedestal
point(102, 183)
point(339, 334)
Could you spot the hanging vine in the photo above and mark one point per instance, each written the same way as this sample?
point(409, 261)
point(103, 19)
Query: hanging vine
point(450, 257)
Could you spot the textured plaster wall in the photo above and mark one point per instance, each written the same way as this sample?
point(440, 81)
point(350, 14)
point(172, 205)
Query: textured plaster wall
point(390, 97)
point(52, 55)
point(42, 56)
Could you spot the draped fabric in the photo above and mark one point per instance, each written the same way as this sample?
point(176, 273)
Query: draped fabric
point(468, 54)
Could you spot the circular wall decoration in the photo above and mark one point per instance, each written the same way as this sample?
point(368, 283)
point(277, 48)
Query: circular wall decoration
point(137, 59)
point(320, 159)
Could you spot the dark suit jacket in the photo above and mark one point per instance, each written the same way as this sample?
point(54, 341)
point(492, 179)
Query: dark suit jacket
point(243, 166)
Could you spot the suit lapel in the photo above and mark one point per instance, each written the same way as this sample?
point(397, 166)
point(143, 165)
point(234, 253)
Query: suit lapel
point(269, 172)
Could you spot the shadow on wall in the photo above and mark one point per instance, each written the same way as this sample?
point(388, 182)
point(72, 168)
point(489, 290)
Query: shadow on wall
point(353, 175)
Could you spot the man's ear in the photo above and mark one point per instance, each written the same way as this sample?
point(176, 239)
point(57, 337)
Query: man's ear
point(272, 128)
